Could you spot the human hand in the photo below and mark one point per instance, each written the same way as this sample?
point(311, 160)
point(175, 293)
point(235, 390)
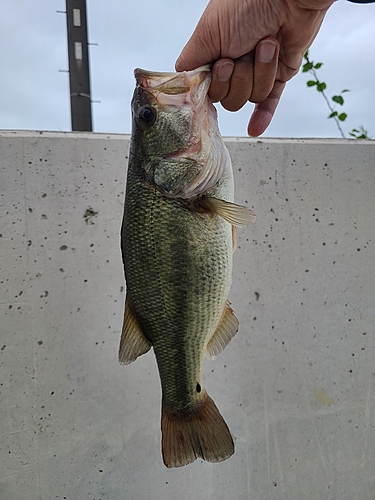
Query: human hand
point(258, 45)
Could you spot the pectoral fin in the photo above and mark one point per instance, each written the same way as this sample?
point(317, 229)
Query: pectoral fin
point(232, 213)
point(133, 343)
point(224, 332)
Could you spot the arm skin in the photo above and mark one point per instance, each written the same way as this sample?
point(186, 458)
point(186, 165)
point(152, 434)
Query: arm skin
point(256, 47)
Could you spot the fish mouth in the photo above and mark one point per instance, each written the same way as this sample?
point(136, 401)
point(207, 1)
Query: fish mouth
point(170, 83)
point(178, 89)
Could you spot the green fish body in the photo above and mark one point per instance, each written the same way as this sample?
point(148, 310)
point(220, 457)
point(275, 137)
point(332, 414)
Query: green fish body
point(177, 240)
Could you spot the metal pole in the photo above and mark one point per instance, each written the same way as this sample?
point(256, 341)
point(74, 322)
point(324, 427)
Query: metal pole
point(79, 73)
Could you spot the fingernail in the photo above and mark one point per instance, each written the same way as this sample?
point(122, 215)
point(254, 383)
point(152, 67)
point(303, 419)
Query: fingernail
point(224, 72)
point(266, 51)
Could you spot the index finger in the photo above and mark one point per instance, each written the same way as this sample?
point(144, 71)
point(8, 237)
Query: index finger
point(222, 71)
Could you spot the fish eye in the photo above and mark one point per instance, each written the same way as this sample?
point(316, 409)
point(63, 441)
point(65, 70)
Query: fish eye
point(147, 115)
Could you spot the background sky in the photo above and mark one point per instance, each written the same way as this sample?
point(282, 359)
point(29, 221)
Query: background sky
point(150, 34)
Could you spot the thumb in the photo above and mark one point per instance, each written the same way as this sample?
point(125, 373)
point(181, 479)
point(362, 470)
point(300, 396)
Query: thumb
point(200, 49)
point(192, 57)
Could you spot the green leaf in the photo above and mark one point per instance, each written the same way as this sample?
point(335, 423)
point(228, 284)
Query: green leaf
point(342, 117)
point(307, 66)
point(339, 99)
point(360, 133)
point(358, 136)
point(345, 90)
point(311, 83)
point(333, 114)
point(318, 65)
point(321, 86)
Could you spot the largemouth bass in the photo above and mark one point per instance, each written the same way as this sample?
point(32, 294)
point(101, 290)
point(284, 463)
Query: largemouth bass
point(177, 241)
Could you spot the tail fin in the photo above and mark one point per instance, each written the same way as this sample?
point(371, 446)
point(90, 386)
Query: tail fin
point(199, 431)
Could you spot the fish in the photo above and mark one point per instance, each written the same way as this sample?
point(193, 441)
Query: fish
point(177, 239)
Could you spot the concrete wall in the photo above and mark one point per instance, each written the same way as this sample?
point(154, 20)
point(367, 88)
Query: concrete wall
point(297, 383)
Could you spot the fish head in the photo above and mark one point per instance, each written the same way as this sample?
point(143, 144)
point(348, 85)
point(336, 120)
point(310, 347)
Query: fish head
point(173, 120)
point(169, 109)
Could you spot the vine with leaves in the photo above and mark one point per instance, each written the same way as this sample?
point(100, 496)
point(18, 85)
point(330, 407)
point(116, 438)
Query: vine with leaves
point(312, 67)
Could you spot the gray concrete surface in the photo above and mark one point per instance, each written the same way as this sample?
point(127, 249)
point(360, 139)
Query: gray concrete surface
point(297, 383)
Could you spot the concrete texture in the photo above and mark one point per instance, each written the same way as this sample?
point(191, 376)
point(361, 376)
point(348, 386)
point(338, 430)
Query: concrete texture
point(297, 383)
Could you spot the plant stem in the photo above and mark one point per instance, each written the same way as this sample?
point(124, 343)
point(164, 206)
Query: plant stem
point(312, 70)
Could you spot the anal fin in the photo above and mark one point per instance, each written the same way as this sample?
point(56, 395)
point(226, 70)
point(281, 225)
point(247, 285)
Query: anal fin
point(133, 343)
point(225, 331)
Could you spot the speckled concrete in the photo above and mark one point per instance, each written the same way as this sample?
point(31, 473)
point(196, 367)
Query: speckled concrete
point(297, 383)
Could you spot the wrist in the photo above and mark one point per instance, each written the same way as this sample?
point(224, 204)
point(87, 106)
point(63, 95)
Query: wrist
point(315, 4)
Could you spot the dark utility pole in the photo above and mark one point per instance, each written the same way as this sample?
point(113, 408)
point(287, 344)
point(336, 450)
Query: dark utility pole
point(79, 74)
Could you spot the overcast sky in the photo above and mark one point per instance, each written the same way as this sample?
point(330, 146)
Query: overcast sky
point(150, 34)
